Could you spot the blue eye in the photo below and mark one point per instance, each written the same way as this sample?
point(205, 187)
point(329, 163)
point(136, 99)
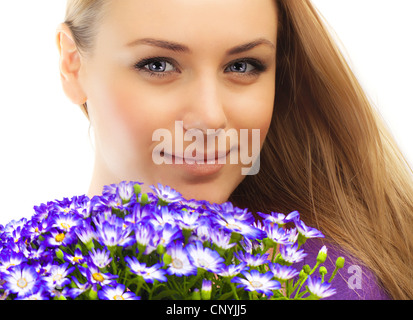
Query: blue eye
point(240, 67)
point(246, 66)
point(159, 66)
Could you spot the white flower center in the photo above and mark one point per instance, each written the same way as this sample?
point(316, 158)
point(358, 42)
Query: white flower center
point(177, 264)
point(256, 284)
point(22, 283)
point(57, 277)
point(203, 263)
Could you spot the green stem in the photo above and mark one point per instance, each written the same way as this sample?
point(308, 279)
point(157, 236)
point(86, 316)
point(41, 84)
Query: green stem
point(234, 291)
point(299, 288)
point(113, 262)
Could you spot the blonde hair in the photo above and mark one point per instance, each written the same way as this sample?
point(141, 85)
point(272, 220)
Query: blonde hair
point(328, 154)
point(81, 17)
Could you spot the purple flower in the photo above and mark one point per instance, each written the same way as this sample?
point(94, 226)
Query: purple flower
point(273, 217)
point(166, 235)
point(242, 226)
point(66, 222)
point(291, 254)
point(149, 274)
point(166, 194)
point(283, 273)
point(85, 234)
point(255, 281)
point(22, 280)
point(180, 263)
point(276, 234)
point(77, 257)
point(125, 190)
point(307, 232)
point(112, 235)
point(144, 233)
point(9, 260)
point(252, 260)
point(138, 213)
point(205, 258)
point(96, 277)
point(319, 289)
point(221, 239)
point(58, 238)
point(232, 270)
point(100, 258)
point(116, 293)
point(188, 220)
point(161, 216)
point(57, 277)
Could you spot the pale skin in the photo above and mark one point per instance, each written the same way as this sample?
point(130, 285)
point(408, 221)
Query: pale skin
point(216, 71)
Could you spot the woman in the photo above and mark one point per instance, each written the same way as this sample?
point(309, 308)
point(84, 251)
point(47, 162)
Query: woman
point(187, 66)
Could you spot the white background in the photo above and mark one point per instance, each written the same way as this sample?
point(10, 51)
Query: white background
point(45, 150)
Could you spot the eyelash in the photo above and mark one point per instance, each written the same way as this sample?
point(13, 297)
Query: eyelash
point(259, 67)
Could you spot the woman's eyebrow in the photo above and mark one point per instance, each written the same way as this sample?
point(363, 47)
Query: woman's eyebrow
point(177, 47)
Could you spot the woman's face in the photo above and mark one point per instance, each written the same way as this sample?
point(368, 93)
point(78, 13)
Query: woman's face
point(179, 65)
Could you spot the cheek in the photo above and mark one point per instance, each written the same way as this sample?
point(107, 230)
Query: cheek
point(255, 110)
point(123, 119)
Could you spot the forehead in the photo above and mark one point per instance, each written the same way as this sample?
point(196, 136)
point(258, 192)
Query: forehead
point(194, 22)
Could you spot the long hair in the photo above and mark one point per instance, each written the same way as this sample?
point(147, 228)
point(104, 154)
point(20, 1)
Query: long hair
point(328, 153)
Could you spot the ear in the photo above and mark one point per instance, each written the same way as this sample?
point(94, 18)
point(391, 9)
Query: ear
point(70, 65)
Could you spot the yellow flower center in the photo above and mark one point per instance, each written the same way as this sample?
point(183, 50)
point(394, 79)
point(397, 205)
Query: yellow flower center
point(10, 265)
point(77, 259)
point(117, 297)
point(60, 237)
point(98, 277)
point(65, 226)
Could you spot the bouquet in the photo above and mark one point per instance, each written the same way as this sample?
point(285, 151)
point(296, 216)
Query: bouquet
point(130, 245)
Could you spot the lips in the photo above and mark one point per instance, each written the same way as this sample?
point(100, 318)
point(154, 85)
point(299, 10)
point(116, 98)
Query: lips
point(212, 158)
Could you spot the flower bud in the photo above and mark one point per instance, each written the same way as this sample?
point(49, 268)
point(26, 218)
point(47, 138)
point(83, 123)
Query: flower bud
point(59, 254)
point(93, 295)
point(340, 262)
point(160, 249)
point(90, 245)
point(307, 269)
point(322, 255)
point(144, 199)
point(323, 270)
point(196, 295)
point(167, 259)
point(206, 290)
point(137, 188)
point(302, 274)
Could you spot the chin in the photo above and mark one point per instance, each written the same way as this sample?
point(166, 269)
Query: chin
point(216, 191)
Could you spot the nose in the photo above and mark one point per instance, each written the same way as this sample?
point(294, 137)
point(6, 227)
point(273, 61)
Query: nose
point(205, 108)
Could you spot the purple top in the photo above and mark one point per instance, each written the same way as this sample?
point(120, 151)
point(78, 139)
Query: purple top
point(353, 282)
